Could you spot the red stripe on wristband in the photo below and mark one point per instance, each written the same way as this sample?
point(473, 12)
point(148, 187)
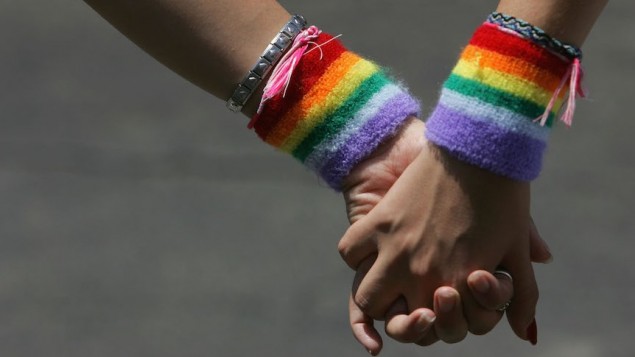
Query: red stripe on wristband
point(305, 75)
point(490, 37)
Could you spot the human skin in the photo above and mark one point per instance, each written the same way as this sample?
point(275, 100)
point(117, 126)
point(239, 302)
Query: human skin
point(461, 205)
point(367, 185)
point(189, 36)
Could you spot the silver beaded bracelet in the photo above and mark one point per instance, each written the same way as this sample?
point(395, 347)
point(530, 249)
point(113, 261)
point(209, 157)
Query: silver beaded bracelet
point(266, 62)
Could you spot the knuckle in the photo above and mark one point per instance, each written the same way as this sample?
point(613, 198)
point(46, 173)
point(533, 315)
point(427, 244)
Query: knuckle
point(343, 247)
point(362, 302)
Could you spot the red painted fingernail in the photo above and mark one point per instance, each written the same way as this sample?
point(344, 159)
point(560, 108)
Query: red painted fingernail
point(532, 332)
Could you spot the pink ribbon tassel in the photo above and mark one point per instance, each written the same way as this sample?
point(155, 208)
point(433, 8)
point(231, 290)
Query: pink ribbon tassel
point(281, 75)
point(574, 77)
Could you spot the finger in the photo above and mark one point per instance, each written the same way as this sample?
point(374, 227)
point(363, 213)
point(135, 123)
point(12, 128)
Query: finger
point(362, 325)
point(481, 319)
point(429, 338)
point(362, 269)
point(357, 243)
point(363, 329)
point(450, 325)
point(376, 290)
point(539, 250)
point(407, 328)
point(490, 291)
point(522, 310)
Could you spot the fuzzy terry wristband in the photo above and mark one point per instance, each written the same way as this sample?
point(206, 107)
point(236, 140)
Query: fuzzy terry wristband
point(338, 108)
point(488, 110)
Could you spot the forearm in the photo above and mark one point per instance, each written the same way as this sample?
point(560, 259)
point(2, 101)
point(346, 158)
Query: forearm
point(567, 20)
point(213, 44)
point(505, 93)
point(336, 109)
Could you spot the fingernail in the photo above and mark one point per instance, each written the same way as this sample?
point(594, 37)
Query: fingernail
point(446, 302)
point(370, 352)
point(481, 284)
point(532, 332)
point(425, 320)
point(549, 260)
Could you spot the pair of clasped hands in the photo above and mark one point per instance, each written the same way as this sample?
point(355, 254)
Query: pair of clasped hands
point(427, 235)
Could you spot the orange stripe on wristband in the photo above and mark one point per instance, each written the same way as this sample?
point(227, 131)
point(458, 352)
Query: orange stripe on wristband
point(317, 94)
point(490, 37)
point(514, 66)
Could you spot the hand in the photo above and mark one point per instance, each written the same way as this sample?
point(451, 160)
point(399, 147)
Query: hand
point(424, 326)
point(365, 187)
point(441, 220)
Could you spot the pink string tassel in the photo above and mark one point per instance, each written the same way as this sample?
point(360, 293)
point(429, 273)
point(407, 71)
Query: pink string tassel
point(281, 75)
point(575, 88)
point(574, 76)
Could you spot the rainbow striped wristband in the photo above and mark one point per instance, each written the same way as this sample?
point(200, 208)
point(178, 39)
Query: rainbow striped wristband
point(336, 110)
point(490, 105)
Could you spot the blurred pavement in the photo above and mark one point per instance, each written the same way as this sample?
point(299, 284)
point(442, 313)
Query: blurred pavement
point(138, 217)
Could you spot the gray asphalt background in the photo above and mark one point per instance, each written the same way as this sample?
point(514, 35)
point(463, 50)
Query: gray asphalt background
point(138, 217)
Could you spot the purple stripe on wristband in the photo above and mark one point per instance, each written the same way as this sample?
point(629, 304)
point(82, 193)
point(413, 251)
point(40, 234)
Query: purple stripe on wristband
point(327, 148)
point(381, 126)
point(485, 145)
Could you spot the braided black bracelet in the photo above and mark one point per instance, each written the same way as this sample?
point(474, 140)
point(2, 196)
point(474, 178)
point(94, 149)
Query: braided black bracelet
point(535, 34)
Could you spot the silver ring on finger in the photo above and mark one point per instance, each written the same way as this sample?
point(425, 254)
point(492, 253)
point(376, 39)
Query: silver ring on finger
point(506, 274)
point(504, 306)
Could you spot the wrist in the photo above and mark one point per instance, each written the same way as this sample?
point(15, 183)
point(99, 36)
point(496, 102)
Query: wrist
point(569, 21)
point(389, 160)
point(498, 105)
point(258, 75)
point(334, 111)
